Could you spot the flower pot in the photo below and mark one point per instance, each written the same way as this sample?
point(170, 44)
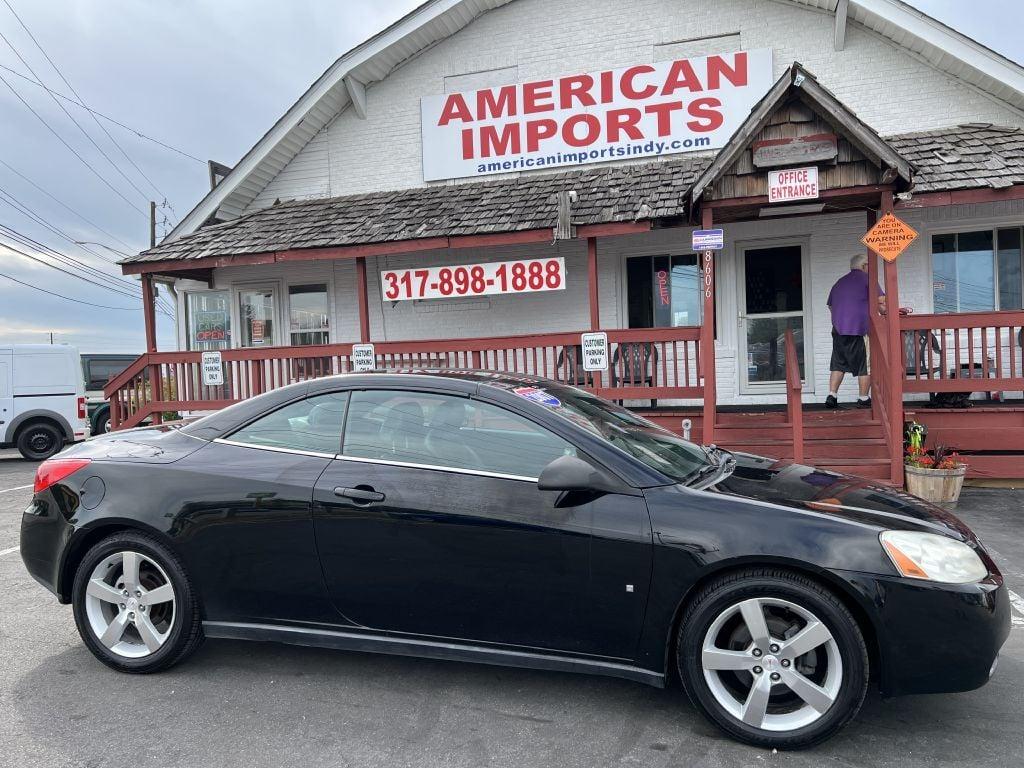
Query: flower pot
point(940, 486)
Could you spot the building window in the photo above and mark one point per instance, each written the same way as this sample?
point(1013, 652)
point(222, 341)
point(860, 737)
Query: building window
point(308, 314)
point(977, 271)
point(209, 320)
point(663, 291)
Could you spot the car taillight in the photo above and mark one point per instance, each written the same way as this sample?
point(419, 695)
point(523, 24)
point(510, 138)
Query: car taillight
point(81, 407)
point(54, 470)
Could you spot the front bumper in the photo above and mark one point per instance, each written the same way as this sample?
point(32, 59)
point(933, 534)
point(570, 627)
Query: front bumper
point(934, 638)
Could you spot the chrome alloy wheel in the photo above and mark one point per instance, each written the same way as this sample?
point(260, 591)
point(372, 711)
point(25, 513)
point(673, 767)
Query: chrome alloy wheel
point(130, 604)
point(772, 664)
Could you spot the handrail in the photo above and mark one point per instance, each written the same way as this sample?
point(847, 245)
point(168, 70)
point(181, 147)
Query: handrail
point(1002, 317)
point(647, 364)
point(794, 391)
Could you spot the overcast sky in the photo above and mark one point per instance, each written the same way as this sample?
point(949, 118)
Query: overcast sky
point(207, 78)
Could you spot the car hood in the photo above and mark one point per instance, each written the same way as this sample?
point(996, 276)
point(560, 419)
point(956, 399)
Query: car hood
point(151, 445)
point(832, 493)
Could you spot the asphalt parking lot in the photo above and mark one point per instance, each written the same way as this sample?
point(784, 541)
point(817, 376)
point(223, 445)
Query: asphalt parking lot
point(249, 704)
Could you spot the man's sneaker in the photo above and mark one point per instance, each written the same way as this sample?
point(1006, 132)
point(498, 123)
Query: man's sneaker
point(864, 403)
point(831, 402)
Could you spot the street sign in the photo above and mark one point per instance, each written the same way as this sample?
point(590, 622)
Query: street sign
point(889, 237)
point(213, 369)
point(595, 351)
point(708, 239)
point(363, 357)
point(793, 184)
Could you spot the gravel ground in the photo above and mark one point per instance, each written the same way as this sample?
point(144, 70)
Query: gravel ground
point(250, 704)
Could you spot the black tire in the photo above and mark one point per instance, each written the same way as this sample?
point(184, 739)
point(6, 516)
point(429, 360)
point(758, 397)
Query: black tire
point(722, 594)
point(39, 441)
point(102, 424)
point(185, 632)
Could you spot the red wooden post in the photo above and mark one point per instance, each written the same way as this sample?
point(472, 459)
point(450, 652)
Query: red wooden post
point(894, 358)
point(364, 306)
point(707, 335)
point(149, 315)
point(595, 306)
point(595, 309)
point(872, 313)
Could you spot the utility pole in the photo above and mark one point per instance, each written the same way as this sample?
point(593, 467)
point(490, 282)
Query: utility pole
point(51, 338)
point(152, 224)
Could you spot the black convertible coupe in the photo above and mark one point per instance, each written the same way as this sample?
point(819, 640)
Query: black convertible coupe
point(511, 520)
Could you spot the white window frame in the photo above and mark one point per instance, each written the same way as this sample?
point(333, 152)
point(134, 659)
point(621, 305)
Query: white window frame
point(328, 283)
point(236, 310)
point(980, 226)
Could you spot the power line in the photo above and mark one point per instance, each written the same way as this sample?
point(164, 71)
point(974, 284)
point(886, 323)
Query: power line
point(20, 252)
point(68, 298)
point(80, 99)
point(73, 151)
point(64, 205)
point(77, 124)
point(108, 118)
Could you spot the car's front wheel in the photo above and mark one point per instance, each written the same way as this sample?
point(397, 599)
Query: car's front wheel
point(134, 605)
point(773, 658)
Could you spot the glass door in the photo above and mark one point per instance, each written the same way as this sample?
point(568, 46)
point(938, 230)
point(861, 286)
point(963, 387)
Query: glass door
point(257, 314)
point(771, 301)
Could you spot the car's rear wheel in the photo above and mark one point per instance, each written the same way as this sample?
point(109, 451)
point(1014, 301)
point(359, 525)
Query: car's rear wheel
point(134, 605)
point(773, 658)
point(39, 441)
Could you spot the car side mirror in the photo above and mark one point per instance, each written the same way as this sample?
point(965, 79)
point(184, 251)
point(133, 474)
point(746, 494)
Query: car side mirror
point(570, 473)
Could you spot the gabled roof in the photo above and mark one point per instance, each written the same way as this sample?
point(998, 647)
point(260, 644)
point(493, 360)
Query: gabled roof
point(435, 20)
point(955, 158)
point(333, 91)
point(800, 83)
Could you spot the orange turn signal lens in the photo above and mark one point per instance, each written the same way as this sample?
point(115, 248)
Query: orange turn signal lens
point(904, 564)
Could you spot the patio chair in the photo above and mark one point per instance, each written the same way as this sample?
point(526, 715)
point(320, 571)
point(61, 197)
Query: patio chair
point(570, 361)
point(633, 365)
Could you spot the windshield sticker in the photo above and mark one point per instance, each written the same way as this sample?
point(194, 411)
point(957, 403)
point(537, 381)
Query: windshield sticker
point(538, 396)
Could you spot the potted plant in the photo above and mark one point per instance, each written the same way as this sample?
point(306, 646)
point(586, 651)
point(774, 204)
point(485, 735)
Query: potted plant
point(937, 476)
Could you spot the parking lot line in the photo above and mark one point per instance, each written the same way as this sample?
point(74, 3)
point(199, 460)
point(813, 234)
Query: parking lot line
point(8, 551)
point(19, 488)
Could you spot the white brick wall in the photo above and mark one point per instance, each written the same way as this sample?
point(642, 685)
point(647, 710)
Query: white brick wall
point(885, 85)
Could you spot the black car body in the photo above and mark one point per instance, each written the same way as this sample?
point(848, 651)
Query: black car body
point(316, 548)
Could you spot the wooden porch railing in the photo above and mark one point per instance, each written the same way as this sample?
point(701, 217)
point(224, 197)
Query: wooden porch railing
point(965, 352)
point(646, 364)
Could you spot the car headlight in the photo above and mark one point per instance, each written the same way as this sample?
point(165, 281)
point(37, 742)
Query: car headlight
point(933, 557)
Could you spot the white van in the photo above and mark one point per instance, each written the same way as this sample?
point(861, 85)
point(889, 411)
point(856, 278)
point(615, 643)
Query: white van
point(42, 399)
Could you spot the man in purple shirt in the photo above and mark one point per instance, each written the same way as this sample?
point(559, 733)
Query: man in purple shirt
point(848, 301)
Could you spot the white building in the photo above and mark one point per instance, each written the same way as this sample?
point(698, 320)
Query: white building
point(456, 137)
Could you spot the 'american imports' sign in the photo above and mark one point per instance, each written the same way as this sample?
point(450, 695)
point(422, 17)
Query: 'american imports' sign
point(668, 107)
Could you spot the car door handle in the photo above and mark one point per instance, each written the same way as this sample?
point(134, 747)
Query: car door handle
point(362, 495)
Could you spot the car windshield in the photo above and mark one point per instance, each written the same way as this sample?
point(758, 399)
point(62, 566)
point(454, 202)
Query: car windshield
point(642, 439)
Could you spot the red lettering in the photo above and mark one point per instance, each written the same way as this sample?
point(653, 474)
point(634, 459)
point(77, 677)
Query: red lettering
point(536, 130)
point(681, 75)
point(707, 114)
point(575, 87)
point(455, 108)
point(607, 88)
point(593, 125)
point(664, 114)
point(534, 96)
point(502, 104)
point(467, 143)
point(628, 86)
point(624, 120)
point(491, 142)
point(717, 68)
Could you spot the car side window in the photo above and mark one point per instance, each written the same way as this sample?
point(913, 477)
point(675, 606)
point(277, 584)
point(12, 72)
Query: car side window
point(446, 431)
point(312, 424)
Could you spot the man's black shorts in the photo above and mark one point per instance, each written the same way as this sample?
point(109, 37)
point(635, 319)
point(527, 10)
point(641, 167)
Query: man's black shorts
point(849, 354)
